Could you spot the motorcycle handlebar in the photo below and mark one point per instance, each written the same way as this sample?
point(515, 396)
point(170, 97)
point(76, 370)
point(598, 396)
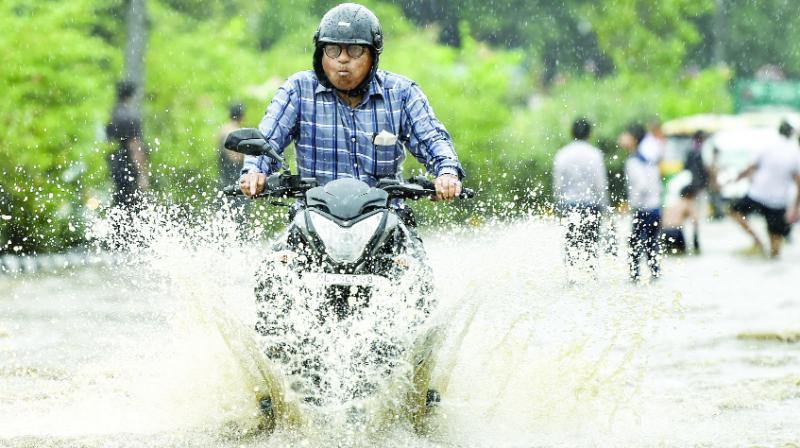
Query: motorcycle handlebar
point(232, 190)
point(279, 184)
point(466, 193)
point(416, 188)
point(428, 185)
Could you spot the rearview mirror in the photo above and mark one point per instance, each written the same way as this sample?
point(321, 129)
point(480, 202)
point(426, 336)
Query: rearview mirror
point(250, 141)
point(240, 135)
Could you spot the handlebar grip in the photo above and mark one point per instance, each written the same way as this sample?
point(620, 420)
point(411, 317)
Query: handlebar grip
point(232, 190)
point(424, 182)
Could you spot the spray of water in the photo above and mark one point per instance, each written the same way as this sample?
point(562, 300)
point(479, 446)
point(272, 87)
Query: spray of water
point(514, 345)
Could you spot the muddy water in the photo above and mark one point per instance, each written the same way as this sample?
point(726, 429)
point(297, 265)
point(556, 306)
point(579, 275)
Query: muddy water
point(131, 354)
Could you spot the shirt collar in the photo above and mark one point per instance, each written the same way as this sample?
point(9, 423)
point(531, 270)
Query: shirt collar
point(376, 86)
point(321, 88)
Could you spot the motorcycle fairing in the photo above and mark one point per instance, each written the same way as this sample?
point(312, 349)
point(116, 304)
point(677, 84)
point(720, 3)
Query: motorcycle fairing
point(346, 199)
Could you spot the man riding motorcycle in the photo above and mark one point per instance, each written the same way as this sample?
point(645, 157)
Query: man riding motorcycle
point(349, 119)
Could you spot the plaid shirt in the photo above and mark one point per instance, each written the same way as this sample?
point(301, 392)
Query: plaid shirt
point(332, 140)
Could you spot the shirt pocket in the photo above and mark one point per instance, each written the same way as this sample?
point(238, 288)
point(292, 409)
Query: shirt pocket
point(384, 161)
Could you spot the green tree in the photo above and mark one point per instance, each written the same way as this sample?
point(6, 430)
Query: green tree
point(646, 37)
point(59, 94)
point(761, 33)
point(50, 111)
point(555, 35)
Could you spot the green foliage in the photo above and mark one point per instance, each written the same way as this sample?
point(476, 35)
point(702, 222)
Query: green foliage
point(49, 112)
point(194, 71)
point(554, 35)
point(62, 58)
point(520, 23)
point(468, 88)
point(642, 36)
point(762, 33)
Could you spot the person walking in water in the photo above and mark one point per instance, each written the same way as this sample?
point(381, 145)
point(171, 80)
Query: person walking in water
point(230, 162)
point(772, 176)
point(644, 198)
point(701, 179)
point(128, 163)
point(695, 165)
point(580, 187)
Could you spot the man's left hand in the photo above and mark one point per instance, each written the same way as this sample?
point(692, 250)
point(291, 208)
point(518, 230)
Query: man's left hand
point(448, 187)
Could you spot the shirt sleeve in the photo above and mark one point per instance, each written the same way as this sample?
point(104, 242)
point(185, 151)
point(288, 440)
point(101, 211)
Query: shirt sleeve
point(427, 138)
point(279, 126)
point(797, 167)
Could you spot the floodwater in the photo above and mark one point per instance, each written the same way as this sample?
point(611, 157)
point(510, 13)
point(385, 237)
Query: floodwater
point(139, 353)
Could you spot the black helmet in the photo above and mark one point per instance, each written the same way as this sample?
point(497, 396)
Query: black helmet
point(348, 23)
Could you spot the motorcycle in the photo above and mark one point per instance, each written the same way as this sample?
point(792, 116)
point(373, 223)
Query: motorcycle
point(349, 262)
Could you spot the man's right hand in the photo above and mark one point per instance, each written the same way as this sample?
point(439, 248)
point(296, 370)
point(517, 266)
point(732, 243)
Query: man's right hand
point(792, 215)
point(252, 184)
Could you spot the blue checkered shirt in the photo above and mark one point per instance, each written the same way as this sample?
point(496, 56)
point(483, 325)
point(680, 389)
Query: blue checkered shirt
point(333, 140)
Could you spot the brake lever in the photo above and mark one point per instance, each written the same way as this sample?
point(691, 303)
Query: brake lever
point(467, 193)
point(232, 190)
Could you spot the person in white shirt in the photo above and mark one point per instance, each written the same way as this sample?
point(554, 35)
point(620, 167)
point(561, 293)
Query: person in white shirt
point(644, 198)
point(654, 143)
point(772, 174)
point(580, 188)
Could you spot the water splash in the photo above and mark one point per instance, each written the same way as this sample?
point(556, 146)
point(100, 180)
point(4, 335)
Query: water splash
point(521, 350)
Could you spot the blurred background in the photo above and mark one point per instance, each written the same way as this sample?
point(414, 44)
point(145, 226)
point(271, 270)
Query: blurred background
point(507, 79)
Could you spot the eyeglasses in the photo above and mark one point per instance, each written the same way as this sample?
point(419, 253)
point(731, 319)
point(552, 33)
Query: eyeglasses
point(355, 51)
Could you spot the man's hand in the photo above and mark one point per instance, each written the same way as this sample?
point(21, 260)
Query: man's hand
point(447, 187)
point(252, 184)
point(792, 215)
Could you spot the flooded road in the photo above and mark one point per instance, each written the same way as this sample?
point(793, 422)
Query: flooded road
point(131, 354)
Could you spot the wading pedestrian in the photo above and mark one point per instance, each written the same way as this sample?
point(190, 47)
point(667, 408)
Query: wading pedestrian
point(580, 186)
point(644, 198)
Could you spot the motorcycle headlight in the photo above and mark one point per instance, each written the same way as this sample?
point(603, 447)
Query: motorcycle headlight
point(345, 244)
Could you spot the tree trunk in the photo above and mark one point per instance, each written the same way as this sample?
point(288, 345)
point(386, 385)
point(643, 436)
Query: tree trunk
point(135, 48)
